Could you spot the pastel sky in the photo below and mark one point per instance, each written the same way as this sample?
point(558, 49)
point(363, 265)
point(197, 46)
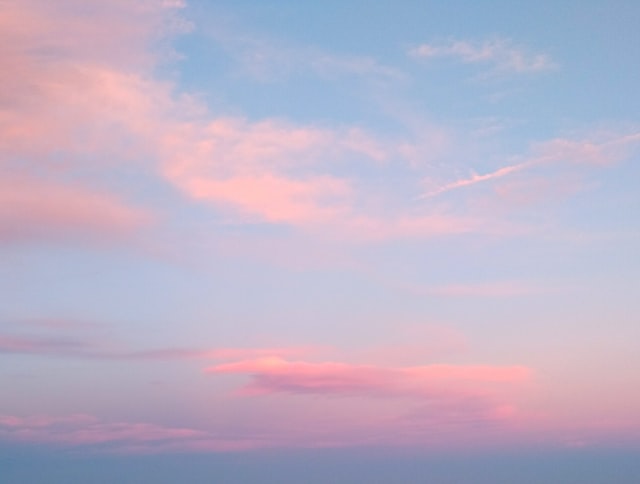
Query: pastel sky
point(369, 234)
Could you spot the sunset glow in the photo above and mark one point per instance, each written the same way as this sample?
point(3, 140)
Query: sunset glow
point(370, 231)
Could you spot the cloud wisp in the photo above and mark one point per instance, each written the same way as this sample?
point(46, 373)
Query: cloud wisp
point(87, 432)
point(274, 172)
point(64, 343)
point(270, 60)
point(70, 111)
point(119, 118)
point(277, 375)
point(33, 210)
point(586, 152)
point(503, 54)
point(408, 405)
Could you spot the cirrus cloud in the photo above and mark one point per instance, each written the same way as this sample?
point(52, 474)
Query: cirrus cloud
point(503, 54)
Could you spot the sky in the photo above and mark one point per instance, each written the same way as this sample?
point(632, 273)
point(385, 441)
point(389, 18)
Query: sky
point(339, 241)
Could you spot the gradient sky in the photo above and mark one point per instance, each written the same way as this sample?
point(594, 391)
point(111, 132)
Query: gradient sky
point(381, 240)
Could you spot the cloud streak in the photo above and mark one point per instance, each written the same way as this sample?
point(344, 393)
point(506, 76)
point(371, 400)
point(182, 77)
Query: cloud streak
point(503, 54)
point(273, 172)
point(81, 431)
point(277, 375)
point(586, 152)
point(33, 210)
point(62, 344)
point(268, 60)
point(415, 405)
point(118, 119)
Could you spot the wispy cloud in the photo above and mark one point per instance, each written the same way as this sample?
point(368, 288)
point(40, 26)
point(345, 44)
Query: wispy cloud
point(251, 168)
point(121, 120)
point(601, 150)
point(503, 54)
point(275, 172)
point(68, 74)
point(40, 345)
point(475, 178)
point(61, 339)
point(277, 375)
point(89, 432)
point(410, 402)
point(33, 210)
point(269, 59)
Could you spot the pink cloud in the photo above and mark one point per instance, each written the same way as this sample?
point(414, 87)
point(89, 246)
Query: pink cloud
point(380, 405)
point(96, 111)
point(445, 423)
point(274, 172)
point(74, 70)
point(89, 30)
point(218, 149)
point(277, 375)
point(32, 210)
point(211, 354)
point(39, 345)
point(129, 437)
point(602, 151)
point(276, 199)
point(90, 99)
point(76, 100)
point(265, 170)
point(61, 343)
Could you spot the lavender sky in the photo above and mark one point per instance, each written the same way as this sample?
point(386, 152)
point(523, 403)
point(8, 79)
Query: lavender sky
point(250, 235)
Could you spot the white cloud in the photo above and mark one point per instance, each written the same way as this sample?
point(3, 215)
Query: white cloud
point(503, 54)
